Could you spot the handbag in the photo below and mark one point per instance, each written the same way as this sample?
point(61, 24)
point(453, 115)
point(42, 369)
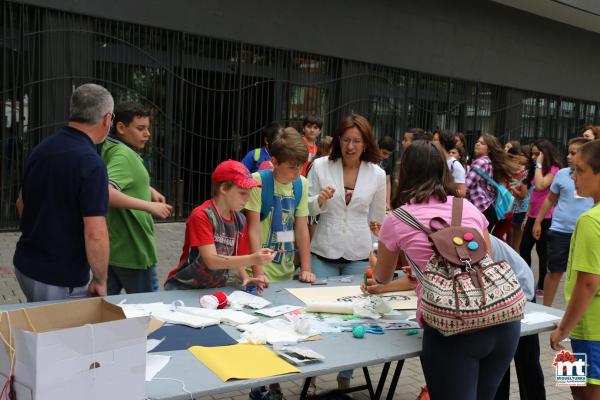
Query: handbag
point(462, 289)
point(504, 199)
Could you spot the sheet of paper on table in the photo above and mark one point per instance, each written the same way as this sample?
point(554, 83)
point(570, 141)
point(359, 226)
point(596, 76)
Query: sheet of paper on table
point(242, 361)
point(277, 310)
point(347, 294)
point(154, 363)
point(248, 300)
point(539, 317)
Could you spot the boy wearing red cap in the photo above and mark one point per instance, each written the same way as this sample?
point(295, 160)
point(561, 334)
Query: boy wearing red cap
point(215, 234)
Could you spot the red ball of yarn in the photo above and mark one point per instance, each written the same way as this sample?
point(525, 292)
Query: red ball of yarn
point(222, 297)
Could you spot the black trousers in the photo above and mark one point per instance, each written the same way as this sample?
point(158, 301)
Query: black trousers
point(529, 371)
point(490, 215)
point(541, 246)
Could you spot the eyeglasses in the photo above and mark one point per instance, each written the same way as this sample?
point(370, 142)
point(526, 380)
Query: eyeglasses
point(112, 118)
point(347, 141)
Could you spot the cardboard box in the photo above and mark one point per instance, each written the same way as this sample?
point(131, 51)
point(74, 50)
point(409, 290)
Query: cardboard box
point(84, 349)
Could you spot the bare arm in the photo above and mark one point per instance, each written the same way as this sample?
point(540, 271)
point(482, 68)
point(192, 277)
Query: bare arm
point(584, 291)
point(388, 191)
point(20, 205)
point(95, 234)
point(118, 199)
point(216, 261)
point(543, 182)
point(386, 264)
point(461, 190)
point(253, 221)
point(156, 196)
point(303, 243)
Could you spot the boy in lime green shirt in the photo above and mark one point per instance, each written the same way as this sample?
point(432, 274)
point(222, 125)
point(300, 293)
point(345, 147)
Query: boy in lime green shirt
point(132, 201)
point(582, 316)
point(284, 226)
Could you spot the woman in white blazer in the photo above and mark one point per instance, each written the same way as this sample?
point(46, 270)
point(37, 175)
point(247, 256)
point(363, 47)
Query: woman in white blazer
point(347, 190)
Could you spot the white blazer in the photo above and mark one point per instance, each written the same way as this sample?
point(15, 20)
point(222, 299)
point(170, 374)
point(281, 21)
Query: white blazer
point(343, 230)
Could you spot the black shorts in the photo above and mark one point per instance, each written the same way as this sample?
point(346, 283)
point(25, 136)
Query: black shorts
point(518, 218)
point(559, 244)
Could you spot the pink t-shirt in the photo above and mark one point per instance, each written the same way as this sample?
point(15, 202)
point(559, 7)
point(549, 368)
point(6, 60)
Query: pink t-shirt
point(537, 197)
point(396, 235)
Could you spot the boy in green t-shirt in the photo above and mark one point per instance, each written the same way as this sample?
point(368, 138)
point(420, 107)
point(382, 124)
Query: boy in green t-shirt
point(132, 201)
point(284, 228)
point(582, 316)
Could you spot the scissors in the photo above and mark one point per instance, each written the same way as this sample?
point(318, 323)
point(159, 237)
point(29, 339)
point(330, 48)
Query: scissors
point(374, 330)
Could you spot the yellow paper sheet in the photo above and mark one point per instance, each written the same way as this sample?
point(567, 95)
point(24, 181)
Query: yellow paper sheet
point(347, 294)
point(242, 361)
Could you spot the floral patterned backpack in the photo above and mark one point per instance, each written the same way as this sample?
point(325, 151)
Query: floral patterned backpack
point(462, 288)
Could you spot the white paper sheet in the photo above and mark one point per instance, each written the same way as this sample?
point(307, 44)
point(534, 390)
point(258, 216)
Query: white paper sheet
point(277, 310)
point(247, 300)
point(226, 316)
point(177, 317)
point(144, 310)
point(538, 318)
point(154, 363)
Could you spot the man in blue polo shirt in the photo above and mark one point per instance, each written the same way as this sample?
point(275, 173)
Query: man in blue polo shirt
point(63, 204)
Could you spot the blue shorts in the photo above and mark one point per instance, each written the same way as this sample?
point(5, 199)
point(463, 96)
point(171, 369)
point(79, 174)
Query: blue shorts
point(592, 349)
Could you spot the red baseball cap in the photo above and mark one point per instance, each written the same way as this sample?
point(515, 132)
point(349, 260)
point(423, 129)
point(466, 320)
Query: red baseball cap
point(236, 172)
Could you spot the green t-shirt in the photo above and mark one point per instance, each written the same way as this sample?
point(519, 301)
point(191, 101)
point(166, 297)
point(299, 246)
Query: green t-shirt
point(584, 256)
point(131, 232)
point(278, 224)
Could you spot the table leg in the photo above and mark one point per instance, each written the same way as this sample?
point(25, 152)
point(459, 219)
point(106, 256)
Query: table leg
point(395, 378)
point(305, 388)
point(368, 380)
point(382, 379)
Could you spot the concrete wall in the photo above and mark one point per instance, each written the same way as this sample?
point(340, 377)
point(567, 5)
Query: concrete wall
point(468, 39)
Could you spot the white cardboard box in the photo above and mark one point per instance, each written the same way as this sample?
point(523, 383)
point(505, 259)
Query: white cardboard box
point(84, 349)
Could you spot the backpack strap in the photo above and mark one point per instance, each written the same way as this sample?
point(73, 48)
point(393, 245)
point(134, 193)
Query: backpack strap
point(297, 189)
point(408, 219)
point(485, 176)
point(266, 193)
point(457, 209)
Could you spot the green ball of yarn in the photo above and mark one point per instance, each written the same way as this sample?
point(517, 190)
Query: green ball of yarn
point(358, 331)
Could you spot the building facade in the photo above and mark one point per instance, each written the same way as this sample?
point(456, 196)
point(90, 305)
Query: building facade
point(217, 72)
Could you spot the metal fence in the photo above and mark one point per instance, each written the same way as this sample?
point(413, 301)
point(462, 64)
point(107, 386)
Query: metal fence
point(213, 97)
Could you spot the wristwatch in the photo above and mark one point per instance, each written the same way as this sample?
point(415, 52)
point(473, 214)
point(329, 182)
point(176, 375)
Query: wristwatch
point(538, 165)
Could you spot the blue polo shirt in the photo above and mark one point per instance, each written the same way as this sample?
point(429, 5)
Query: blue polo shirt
point(569, 205)
point(251, 162)
point(65, 180)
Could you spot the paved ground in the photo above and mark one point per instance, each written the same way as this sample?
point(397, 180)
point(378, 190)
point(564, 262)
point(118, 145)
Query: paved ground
point(170, 239)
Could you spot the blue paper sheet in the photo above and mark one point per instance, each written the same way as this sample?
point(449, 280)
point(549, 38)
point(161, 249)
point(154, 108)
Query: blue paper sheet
point(181, 337)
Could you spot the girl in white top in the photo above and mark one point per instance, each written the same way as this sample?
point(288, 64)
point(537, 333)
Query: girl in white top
point(348, 191)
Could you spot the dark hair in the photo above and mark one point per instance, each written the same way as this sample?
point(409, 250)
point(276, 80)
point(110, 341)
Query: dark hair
point(423, 173)
point(504, 166)
point(371, 150)
point(460, 135)
point(462, 153)
point(126, 111)
point(289, 147)
point(447, 140)
point(387, 143)
point(324, 146)
point(551, 158)
point(270, 133)
point(594, 128)
point(515, 148)
point(312, 119)
point(590, 152)
point(418, 134)
point(579, 141)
